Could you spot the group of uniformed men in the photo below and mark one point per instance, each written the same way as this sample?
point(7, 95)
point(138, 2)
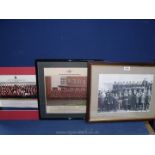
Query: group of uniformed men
point(128, 96)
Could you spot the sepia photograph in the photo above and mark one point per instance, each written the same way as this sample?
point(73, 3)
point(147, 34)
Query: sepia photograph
point(128, 92)
point(65, 86)
point(18, 91)
point(18, 86)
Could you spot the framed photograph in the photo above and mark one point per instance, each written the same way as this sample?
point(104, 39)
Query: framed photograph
point(62, 88)
point(18, 93)
point(121, 91)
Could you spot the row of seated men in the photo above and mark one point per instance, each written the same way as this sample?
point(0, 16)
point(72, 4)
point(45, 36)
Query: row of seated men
point(67, 94)
point(28, 91)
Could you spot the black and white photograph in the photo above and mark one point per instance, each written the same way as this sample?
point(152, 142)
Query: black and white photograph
point(121, 91)
point(125, 92)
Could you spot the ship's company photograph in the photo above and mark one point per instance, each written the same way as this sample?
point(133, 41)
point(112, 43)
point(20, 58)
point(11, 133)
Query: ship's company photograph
point(18, 91)
point(124, 92)
point(65, 86)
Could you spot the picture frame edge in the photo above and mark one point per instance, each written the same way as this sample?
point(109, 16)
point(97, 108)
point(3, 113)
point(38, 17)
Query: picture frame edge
point(58, 115)
point(90, 64)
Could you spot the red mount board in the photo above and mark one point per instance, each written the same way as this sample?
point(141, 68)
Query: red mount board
point(18, 114)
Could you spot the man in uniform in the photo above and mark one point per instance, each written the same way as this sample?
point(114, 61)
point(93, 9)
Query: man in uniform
point(111, 101)
point(106, 100)
point(116, 102)
point(103, 102)
point(125, 100)
point(148, 99)
point(145, 83)
point(100, 101)
point(133, 100)
point(130, 96)
point(143, 100)
point(120, 100)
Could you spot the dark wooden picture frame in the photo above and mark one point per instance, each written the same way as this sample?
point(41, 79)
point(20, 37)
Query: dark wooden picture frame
point(57, 63)
point(107, 70)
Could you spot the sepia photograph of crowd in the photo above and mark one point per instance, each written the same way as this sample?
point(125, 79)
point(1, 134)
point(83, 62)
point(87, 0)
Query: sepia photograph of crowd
point(18, 86)
point(65, 86)
point(18, 91)
point(67, 90)
point(124, 92)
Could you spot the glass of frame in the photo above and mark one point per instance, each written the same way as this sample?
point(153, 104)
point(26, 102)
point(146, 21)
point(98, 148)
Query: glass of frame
point(121, 91)
point(62, 88)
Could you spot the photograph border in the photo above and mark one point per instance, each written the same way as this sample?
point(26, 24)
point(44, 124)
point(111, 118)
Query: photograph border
point(63, 63)
point(89, 89)
point(24, 113)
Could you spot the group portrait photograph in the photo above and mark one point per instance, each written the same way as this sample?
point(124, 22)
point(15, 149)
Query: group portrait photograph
point(124, 92)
